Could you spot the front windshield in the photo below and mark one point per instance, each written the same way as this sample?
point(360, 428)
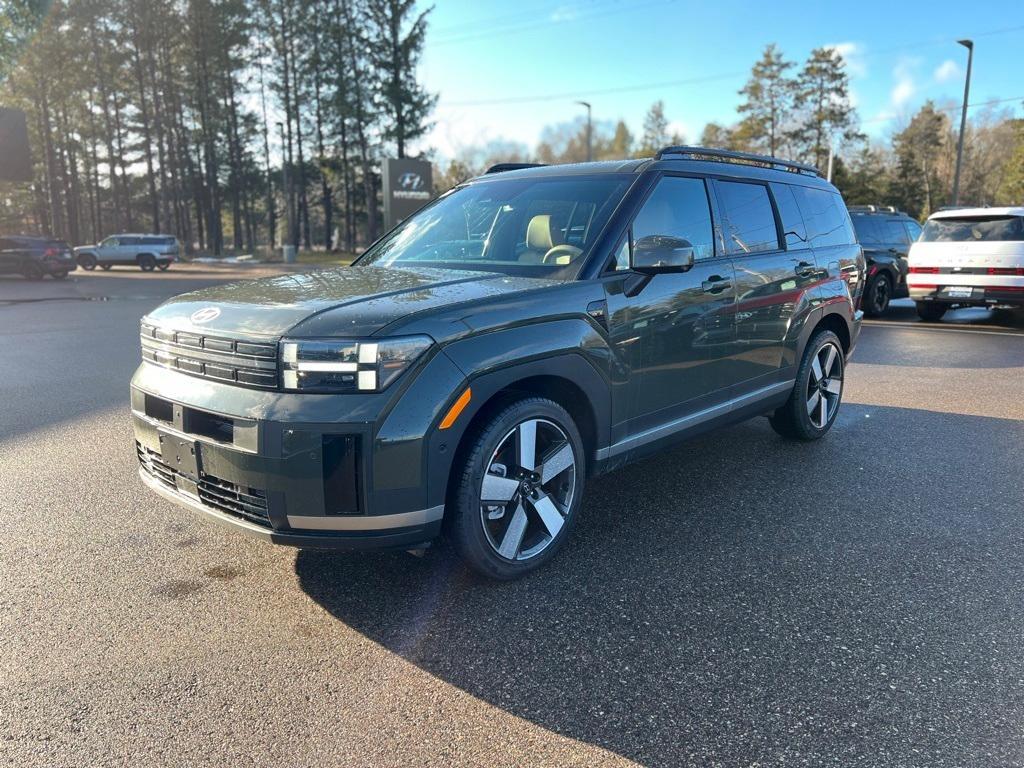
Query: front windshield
point(541, 226)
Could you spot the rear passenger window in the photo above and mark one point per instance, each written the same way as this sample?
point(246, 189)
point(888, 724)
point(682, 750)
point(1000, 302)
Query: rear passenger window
point(826, 218)
point(792, 222)
point(678, 207)
point(867, 230)
point(894, 231)
point(748, 222)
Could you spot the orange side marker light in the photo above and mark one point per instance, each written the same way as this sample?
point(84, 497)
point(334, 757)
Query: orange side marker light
point(457, 408)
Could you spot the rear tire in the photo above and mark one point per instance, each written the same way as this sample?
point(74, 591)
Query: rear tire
point(818, 392)
point(59, 275)
point(147, 263)
point(931, 313)
point(878, 295)
point(163, 266)
point(529, 458)
point(105, 267)
point(87, 261)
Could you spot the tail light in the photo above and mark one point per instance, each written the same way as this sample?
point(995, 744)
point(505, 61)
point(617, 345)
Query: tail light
point(924, 270)
point(1011, 271)
point(50, 252)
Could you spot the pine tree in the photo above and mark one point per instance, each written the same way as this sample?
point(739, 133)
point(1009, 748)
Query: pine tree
point(768, 105)
point(917, 187)
point(395, 43)
point(822, 103)
point(655, 135)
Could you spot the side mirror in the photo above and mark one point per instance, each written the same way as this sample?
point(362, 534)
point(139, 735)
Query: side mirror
point(662, 253)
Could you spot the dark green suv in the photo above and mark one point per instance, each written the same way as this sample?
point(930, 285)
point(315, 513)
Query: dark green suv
point(525, 331)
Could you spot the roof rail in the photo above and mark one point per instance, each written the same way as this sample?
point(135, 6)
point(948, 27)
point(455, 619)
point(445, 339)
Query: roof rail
point(745, 158)
point(873, 208)
point(502, 167)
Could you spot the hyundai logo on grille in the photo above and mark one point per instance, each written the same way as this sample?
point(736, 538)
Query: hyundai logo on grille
point(205, 315)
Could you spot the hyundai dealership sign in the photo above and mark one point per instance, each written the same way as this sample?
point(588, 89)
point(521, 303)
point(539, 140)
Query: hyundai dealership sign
point(408, 186)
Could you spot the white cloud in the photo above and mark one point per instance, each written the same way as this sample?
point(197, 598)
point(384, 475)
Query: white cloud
point(853, 55)
point(947, 70)
point(905, 88)
point(564, 13)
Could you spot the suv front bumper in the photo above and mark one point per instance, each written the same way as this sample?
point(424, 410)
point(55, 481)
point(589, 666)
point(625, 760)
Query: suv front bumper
point(281, 471)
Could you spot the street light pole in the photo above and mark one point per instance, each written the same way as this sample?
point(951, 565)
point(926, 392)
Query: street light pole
point(590, 134)
point(969, 45)
point(287, 247)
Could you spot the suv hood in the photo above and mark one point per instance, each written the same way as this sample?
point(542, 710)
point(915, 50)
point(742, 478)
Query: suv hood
point(350, 301)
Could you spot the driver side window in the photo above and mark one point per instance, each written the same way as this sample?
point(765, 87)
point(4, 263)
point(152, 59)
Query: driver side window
point(678, 208)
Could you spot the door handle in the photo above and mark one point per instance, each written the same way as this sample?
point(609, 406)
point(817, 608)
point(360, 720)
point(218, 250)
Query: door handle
point(805, 269)
point(716, 284)
point(598, 310)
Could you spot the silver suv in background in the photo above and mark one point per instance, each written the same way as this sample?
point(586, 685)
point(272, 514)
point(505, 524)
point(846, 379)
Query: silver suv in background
point(148, 252)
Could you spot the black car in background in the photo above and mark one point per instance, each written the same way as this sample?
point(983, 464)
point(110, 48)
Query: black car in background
point(35, 257)
point(886, 235)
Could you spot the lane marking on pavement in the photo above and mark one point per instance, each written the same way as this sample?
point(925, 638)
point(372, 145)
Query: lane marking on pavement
point(936, 329)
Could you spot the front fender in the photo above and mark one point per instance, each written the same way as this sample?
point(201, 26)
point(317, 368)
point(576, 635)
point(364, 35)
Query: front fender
point(411, 452)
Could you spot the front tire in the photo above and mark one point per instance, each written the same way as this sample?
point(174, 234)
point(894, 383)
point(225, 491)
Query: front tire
point(33, 271)
point(517, 488)
point(878, 295)
point(87, 261)
point(929, 312)
point(812, 407)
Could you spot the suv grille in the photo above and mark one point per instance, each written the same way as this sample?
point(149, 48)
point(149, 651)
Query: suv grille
point(247, 503)
point(251, 363)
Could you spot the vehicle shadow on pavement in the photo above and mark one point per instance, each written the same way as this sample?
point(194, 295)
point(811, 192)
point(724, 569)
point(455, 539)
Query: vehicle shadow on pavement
point(746, 600)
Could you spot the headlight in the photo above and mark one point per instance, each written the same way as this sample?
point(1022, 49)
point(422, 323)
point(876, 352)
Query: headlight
point(329, 365)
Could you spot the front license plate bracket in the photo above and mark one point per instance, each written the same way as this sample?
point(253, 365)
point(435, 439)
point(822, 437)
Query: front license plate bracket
point(180, 454)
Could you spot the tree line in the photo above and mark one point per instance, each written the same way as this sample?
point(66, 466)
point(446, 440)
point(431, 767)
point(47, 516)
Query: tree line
point(236, 124)
point(228, 123)
point(805, 113)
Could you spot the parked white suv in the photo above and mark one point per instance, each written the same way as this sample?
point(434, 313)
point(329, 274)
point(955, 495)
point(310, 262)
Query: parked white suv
point(148, 252)
point(968, 257)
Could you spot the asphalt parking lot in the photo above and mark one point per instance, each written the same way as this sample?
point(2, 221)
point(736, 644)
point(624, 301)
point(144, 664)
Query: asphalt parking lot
point(738, 601)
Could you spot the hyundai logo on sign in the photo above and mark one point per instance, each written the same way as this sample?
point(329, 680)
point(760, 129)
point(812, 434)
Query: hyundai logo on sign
point(411, 187)
point(410, 181)
point(408, 186)
point(205, 315)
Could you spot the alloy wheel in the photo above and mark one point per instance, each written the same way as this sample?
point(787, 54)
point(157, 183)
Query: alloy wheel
point(527, 489)
point(880, 295)
point(825, 385)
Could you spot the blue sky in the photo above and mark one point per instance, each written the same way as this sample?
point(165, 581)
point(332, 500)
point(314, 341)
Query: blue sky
point(695, 56)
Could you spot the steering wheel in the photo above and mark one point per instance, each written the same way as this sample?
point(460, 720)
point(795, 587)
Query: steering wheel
point(561, 254)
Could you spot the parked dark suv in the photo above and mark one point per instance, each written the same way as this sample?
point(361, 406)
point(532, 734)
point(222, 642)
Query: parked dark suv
point(522, 333)
point(35, 257)
point(886, 235)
